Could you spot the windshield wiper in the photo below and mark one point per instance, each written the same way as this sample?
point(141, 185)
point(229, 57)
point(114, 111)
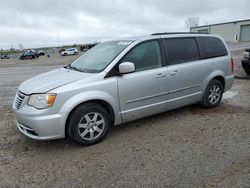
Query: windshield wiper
point(67, 66)
point(74, 68)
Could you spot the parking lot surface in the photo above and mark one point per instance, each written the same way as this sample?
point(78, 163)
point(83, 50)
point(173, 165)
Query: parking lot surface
point(187, 147)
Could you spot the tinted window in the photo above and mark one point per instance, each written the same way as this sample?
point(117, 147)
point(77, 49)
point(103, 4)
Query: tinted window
point(181, 50)
point(145, 56)
point(211, 47)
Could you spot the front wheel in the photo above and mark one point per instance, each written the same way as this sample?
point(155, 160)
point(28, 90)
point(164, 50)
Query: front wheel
point(89, 124)
point(213, 94)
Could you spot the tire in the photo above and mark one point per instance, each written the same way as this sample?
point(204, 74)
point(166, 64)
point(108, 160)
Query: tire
point(213, 94)
point(75, 53)
point(247, 71)
point(83, 123)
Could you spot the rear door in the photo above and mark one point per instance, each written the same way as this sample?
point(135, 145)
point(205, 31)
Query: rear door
point(143, 92)
point(186, 72)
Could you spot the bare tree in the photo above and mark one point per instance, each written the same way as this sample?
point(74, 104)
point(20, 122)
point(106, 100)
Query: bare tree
point(192, 22)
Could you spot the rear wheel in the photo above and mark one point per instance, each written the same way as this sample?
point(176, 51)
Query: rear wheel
point(213, 94)
point(89, 124)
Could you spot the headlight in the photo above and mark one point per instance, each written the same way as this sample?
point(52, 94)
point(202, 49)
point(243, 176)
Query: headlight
point(41, 101)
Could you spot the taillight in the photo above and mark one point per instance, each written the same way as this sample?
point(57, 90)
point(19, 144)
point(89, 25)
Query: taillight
point(232, 65)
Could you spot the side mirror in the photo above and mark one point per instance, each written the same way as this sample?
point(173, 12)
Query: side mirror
point(126, 67)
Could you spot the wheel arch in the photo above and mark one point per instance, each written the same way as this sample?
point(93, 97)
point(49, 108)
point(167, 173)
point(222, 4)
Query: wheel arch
point(218, 75)
point(101, 102)
point(221, 79)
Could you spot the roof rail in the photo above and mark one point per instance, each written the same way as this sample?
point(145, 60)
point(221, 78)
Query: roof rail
point(173, 33)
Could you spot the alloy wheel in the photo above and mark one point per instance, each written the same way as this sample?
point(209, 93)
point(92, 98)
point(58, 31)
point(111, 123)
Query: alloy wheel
point(91, 126)
point(214, 94)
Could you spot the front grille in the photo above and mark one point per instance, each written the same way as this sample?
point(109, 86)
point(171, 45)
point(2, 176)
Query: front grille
point(19, 100)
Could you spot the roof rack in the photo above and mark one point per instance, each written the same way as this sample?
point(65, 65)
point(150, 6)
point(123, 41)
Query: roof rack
point(173, 33)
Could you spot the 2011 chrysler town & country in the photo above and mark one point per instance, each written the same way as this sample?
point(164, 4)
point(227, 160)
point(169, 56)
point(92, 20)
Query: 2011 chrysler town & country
point(123, 80)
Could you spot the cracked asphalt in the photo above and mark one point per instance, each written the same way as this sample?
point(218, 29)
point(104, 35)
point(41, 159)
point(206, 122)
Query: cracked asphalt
point(187, 147)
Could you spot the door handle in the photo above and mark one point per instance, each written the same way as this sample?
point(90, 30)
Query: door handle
point(174, 72)
point(160, 75)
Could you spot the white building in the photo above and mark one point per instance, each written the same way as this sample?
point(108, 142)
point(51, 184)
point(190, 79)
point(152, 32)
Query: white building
point(237, 31)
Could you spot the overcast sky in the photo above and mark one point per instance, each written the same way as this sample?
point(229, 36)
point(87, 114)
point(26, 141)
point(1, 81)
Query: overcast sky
point(35, 23)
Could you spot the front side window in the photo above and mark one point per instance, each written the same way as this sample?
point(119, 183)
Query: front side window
point(180, 50)
point(145, 56)
point(99, 57)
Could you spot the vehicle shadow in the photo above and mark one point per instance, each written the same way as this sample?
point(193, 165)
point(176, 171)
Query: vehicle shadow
point(245, 77)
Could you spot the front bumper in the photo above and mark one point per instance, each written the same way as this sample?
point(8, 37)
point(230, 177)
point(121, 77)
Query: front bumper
point(40, 126)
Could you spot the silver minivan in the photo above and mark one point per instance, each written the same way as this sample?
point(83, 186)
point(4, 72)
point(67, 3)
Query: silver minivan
point(123, 80)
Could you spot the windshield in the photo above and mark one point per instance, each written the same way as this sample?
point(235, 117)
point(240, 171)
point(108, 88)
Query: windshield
point(100, 56)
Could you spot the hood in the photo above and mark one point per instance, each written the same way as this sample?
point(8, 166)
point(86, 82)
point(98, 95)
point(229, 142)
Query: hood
point(51, 80)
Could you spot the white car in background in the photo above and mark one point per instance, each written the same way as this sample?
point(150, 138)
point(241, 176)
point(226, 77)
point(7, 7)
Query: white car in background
point(70, 51)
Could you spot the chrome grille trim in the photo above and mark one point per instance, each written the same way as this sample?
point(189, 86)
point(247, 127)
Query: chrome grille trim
point(19, 99)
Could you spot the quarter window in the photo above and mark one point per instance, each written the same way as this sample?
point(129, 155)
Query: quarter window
point(145, 56)
point(211, 47)
point(180, 50)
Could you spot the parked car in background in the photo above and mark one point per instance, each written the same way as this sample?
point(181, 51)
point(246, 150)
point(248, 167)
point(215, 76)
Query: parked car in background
point(122, 80)
point(61, 50)
point(4, 56)
point(86, 47)
point(246, 61)
point(29, 54)
point(70, 51)
point(41, 53)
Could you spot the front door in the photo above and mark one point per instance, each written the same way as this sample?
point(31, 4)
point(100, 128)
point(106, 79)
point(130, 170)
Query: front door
point(143, 92)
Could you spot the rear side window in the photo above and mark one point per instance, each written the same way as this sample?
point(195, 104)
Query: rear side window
point(180, 50)
point(211, 47)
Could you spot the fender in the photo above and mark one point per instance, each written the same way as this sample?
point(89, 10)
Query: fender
point(74, 101)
